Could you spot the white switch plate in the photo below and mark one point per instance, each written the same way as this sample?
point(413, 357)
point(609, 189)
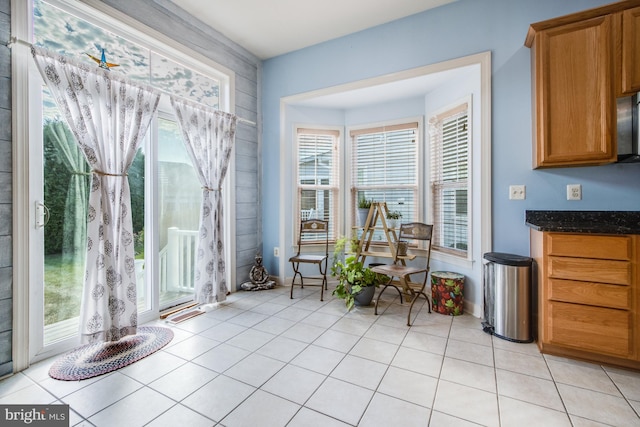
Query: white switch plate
point(276, 251)
point(517, 192)
point(574, 192)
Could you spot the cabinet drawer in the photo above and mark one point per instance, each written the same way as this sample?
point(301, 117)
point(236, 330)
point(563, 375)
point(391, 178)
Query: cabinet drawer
point(597, 294)
point(590, 270)
point(585, 246)
point(602, 330)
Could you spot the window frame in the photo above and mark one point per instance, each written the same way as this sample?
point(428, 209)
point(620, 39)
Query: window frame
point(448, 111)
point(389, 125)
point(335, 219)
point(98, 13)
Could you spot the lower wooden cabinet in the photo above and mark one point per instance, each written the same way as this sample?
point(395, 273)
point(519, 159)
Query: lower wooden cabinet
point(586, 328)
point(588, 296)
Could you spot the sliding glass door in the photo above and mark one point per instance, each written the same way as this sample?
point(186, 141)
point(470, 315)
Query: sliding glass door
point(179, 200)
point(61, 201)
point(62, 222)
point(165, 206)
point(165, 192)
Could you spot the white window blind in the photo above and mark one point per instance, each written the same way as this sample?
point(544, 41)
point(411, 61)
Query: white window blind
point(384, 168)
point(449, 180)
point(318, 180)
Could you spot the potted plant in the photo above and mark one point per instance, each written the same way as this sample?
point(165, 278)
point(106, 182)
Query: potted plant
point(392, 218)
point(356, 283)
point(363, 209)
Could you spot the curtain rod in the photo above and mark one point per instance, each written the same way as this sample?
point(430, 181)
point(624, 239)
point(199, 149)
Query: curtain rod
point(13, 40)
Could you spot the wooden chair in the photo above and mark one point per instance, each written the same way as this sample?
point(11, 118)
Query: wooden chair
point(312, 232)
point(410, 231)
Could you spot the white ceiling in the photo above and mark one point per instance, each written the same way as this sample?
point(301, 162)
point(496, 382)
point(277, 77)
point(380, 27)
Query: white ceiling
point(269, 28)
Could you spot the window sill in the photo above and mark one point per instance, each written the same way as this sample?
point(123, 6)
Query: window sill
point(452, 259)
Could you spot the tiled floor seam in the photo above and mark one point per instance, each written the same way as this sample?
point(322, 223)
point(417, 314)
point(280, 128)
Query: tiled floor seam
point(435, 393)
point(495, 378)
point(624, 396)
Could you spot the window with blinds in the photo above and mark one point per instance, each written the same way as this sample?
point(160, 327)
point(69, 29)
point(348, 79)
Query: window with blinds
point(384, 168)
point(318, 180)
point(449, 179)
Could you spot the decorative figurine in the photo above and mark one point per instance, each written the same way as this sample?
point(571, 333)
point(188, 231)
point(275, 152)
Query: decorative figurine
point(258, 273)
point(259, 277)
point(102, 62)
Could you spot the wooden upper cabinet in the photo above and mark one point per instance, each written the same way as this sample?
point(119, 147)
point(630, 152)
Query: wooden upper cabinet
point(580, 64)
point(630, 66)
point(575, 108)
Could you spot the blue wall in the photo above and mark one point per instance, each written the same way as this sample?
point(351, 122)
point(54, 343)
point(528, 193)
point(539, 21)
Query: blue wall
point(462, 28)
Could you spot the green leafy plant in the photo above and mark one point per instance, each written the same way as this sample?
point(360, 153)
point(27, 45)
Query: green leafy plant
point(364, 203)
point(352, 275)
point(394, 215)
point(138, 244)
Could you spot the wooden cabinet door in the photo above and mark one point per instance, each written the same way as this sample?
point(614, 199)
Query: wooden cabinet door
point(597, 329)
point(575, 103)
point(631, 51)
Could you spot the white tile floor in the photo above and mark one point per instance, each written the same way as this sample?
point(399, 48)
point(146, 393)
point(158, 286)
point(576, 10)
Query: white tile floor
point(262, 359)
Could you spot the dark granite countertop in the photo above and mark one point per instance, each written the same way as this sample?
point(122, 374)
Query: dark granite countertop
point(605, 222)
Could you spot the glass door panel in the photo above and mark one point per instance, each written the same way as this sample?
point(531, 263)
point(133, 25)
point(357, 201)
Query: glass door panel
point(66, 185)
point(136, 177)
point(179, 201)
point(66, 195)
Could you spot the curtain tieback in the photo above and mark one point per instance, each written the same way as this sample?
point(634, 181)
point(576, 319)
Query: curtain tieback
point(81, 173)
point(212, 189)
point(97, 172)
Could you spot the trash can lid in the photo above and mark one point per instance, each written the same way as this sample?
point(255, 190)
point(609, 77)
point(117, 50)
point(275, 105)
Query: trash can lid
point(508, 259)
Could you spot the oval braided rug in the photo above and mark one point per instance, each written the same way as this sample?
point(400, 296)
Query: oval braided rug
point(92, 360)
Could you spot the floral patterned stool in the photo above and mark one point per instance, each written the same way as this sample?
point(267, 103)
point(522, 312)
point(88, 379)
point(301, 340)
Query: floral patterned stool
point(447, 292)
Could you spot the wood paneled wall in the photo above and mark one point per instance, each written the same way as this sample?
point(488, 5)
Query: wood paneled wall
point(6, 217)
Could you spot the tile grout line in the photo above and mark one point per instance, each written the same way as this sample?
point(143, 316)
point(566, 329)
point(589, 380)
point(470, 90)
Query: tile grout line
point(495, 377)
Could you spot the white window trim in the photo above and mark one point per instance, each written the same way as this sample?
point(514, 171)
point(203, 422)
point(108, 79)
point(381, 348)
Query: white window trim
point(338, 220)
point(23, 208)
point(483, 59)
point(437, 254)
point(23, 212)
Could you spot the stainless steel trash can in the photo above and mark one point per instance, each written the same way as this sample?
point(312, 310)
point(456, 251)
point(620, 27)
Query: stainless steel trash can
point(507, 296)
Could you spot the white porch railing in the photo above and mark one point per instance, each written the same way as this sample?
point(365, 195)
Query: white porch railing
point(177, 261)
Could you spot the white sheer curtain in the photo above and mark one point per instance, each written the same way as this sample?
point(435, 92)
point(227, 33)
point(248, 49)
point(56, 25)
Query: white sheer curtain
point(109, 117)
point(209, 136)
point(74, 235)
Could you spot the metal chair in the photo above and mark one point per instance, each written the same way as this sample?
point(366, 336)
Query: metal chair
point(312, 232)
point(410, 231)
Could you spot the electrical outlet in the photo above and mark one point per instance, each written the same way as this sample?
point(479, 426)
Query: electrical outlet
point(574, 192)
point(517, 192)
point(276, 251)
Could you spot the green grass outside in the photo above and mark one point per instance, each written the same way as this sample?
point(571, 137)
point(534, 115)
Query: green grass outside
point(63, 290)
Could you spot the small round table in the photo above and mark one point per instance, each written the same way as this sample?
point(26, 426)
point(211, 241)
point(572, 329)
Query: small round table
point(447, 292)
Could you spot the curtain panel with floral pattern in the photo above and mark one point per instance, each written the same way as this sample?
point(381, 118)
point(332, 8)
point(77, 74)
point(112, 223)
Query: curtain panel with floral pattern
point(208, 135)
point(109, 117)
